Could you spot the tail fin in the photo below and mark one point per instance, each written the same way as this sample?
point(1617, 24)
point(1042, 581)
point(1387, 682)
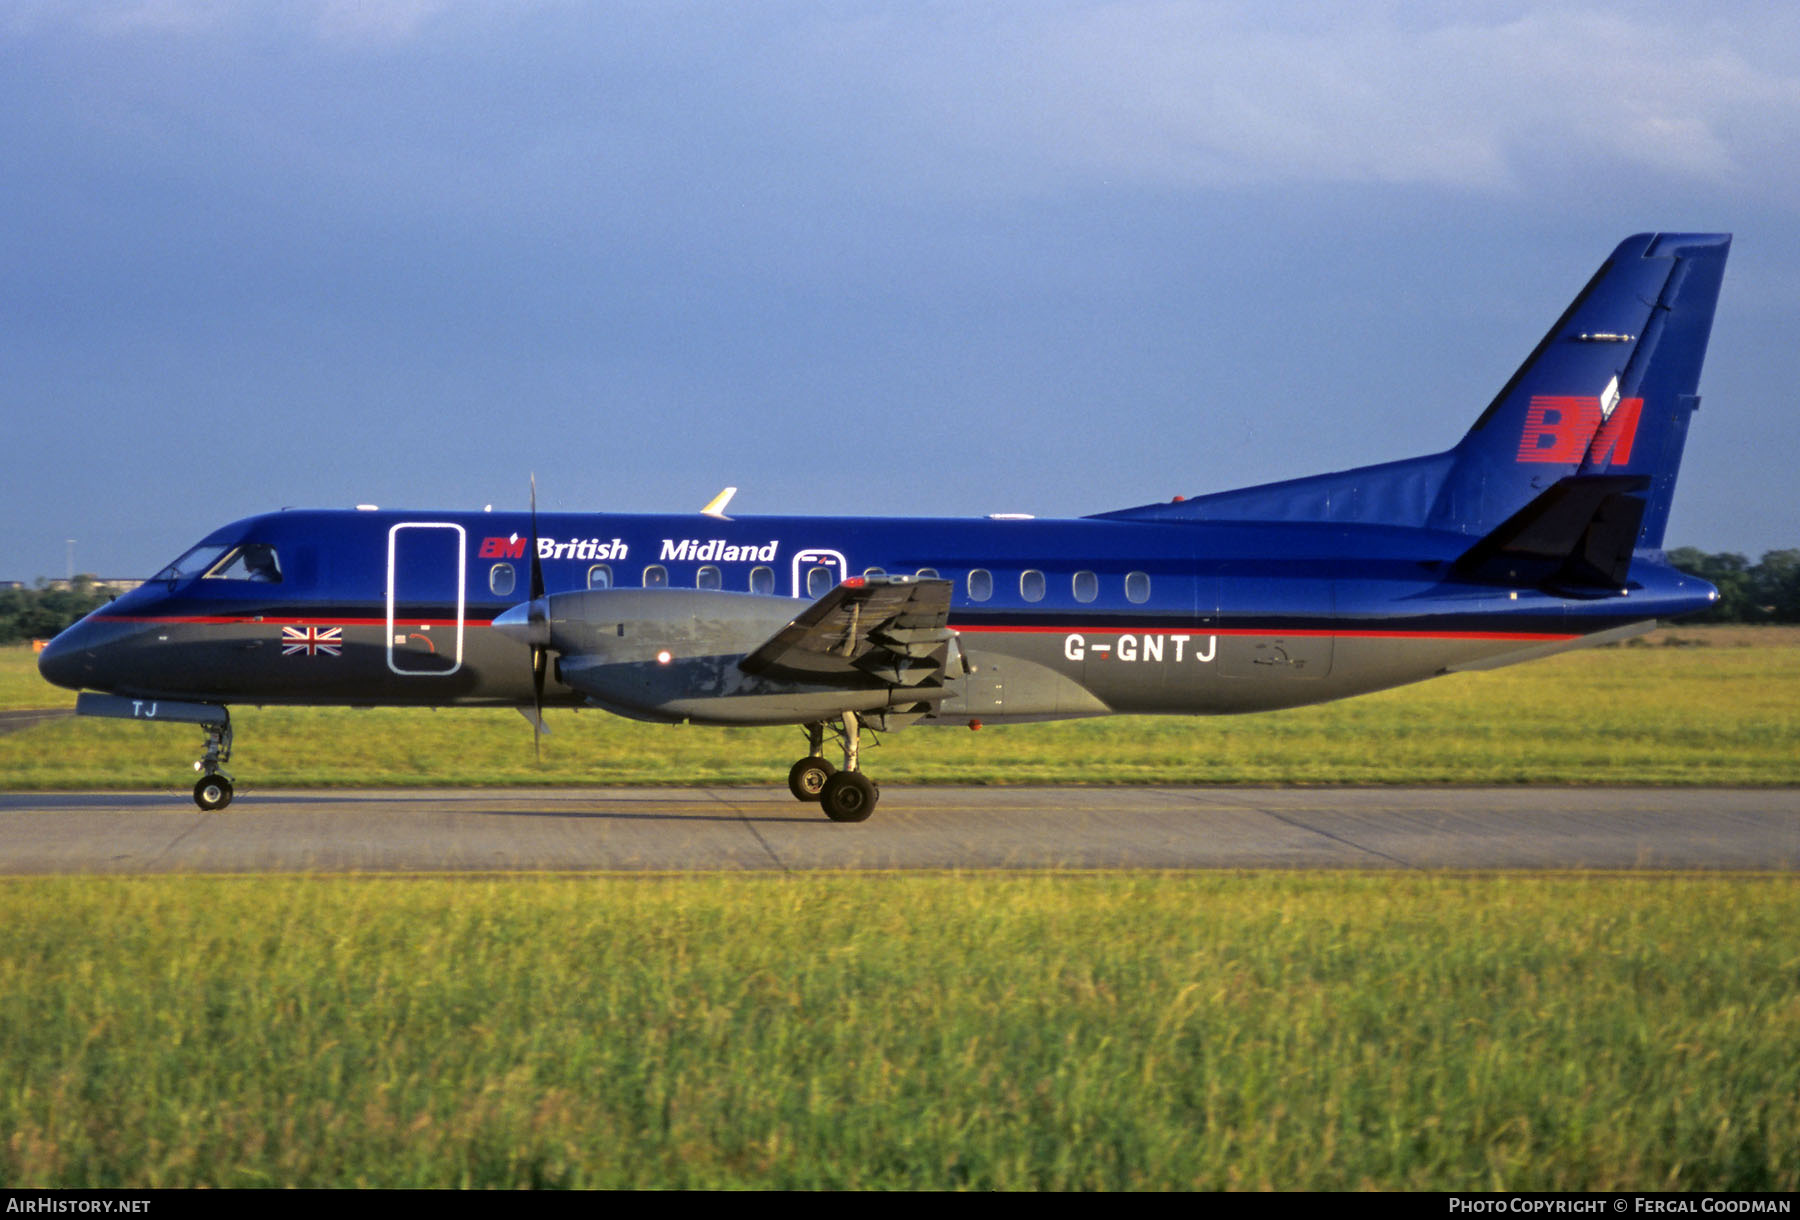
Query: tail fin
point(1608, 391)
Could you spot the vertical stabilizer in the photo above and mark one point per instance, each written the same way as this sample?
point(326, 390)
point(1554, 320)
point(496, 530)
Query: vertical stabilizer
point(1608, 391)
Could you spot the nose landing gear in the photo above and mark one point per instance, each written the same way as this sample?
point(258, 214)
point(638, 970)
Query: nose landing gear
point(214, 790)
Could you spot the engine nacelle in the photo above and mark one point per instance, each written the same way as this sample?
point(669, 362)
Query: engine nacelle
point(674, 654)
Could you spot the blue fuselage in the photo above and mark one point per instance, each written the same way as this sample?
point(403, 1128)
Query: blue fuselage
point(1061, 618)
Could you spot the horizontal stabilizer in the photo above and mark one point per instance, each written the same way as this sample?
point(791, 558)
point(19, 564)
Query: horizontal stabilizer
point(1578, 535)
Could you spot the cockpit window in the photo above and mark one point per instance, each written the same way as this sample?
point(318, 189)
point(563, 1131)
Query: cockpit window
point(192, 564)
point(251, 561)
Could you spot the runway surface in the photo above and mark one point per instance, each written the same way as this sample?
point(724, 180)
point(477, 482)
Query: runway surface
point(25, 718)
point(519, 829)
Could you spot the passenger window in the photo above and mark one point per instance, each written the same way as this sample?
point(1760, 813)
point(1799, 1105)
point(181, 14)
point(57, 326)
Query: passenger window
point(656, 577)
point(501, 579)
point(252, 561)
point(1087, 586)
point(1137, 587)
point(928, 574)
point(762, 580)
point(1031, 585)
point(600, 576)
point(709, 578)
point(981, 585)
point(820, 581)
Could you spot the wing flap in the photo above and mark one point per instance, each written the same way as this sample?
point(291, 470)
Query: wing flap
point(892, 629)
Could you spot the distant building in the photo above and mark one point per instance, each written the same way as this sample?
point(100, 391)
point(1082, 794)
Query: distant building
point(106, 584)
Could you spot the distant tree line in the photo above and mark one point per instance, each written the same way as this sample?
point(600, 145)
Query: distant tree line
point(1767, 591)
point(1764, 592)
point(38, 614)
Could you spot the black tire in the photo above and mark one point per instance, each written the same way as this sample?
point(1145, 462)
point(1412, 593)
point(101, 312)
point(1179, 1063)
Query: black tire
point(212, 792)
point(806, 778)
point(848, 796)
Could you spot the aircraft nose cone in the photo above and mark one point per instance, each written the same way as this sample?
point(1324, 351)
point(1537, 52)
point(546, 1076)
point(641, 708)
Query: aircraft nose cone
point(67, 659)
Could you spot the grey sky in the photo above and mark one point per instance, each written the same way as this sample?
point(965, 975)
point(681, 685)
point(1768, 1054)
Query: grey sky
point(1053, 258)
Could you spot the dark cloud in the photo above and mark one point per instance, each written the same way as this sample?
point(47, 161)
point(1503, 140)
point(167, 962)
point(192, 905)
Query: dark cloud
point(1063, 257)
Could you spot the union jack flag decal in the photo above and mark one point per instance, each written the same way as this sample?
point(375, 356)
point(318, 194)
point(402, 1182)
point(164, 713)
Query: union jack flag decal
point(311, 640)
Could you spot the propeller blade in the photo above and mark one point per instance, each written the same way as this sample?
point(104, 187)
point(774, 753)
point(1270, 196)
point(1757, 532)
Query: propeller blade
point(538, 656)
point(537, 565)
point(540, 630)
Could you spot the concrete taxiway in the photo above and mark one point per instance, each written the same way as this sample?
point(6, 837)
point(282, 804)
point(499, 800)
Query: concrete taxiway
point(522, 829)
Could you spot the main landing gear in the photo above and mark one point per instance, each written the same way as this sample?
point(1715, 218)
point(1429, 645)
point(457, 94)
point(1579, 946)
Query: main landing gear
point(845, 795)
point(213, 790)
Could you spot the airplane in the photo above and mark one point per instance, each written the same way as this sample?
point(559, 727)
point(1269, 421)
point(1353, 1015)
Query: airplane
point(1539, 532)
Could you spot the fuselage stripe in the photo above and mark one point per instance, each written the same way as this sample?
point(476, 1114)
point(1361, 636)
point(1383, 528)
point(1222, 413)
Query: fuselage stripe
point(982, 628)
point(284, 620)
point(1336, 632)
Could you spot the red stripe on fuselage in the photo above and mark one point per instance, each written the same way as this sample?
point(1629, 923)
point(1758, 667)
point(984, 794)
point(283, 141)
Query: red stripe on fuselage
point(285, 621)
point(1340, 633)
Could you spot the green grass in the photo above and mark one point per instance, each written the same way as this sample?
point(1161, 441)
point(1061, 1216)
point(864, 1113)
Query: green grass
point(1130, 1031)
point(20, 685)
point(1656, 715)
point(1151, 1032)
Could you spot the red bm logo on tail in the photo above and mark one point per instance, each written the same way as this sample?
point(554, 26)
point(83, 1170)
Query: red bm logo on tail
point(1566, 430)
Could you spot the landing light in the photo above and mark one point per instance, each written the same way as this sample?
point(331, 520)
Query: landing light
point(664, 657)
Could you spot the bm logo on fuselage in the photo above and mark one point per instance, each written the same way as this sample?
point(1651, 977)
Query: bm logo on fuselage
point(550, 548)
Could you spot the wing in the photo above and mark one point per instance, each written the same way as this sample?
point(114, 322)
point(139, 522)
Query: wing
point(894, 629)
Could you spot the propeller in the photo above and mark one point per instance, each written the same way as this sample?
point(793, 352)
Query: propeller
point(529, 624)
point(539, 633)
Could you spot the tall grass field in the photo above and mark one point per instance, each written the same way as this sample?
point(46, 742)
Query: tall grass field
point(1699, 706)
point(1117, 1032)
point(1025, 1031)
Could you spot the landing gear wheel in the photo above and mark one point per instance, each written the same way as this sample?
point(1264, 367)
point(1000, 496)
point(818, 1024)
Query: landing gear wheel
point(848, 796)
point(806, 778)
point(212, 792)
